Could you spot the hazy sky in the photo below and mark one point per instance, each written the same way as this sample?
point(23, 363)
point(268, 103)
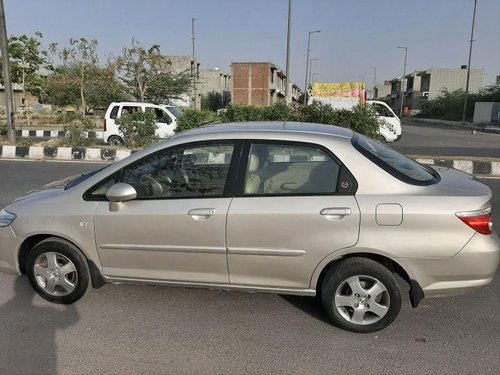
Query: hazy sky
point(355, 33)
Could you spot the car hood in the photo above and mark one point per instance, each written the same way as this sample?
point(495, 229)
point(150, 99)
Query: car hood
point(46, 191)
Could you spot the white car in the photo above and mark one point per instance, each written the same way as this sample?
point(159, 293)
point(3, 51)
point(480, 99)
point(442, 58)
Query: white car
point(166, 117)
point(390, 124)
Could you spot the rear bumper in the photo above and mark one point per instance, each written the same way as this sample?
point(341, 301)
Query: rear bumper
point(473, 267)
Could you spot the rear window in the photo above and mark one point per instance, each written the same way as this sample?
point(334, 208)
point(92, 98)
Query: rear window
point(398, 165)
point(114, 112)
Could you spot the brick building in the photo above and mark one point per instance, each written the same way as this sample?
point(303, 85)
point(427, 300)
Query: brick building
point(260, 84)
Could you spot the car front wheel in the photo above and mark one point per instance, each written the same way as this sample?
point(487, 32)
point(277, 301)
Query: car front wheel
point(361, 295)
point(58, 271)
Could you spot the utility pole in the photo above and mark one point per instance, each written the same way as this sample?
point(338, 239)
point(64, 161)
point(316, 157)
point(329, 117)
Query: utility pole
point(374, 79)
point(307, 62)
point(310, 69)
point(288, 34)
point(194, 69)
point(403, 82)
point(468, 65)
point(7, 84)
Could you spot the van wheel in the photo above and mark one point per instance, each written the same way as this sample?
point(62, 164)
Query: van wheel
point(58, 271)
point(115, 140)
point(361, 295)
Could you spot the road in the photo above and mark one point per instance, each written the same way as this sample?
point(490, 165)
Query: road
point(130, 329)
point(425, 140)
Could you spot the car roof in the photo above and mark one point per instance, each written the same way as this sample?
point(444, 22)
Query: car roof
point(244, 128)
point(136, 103)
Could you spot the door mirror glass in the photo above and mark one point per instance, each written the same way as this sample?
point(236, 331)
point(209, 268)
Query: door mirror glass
point(121, 192)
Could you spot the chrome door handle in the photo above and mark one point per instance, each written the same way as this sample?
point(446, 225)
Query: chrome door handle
point(201, 213)
point(335, 213)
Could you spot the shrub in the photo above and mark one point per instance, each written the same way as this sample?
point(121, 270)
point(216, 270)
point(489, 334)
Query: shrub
point(138, 129)
point(193, 118)
point(76, 127)
point(3, 129)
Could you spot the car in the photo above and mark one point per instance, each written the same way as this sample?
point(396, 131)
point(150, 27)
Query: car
point(166, 119)
point(279, 207)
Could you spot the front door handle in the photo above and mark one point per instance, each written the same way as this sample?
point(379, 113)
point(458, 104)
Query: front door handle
point(335, 213)
point(200, 214)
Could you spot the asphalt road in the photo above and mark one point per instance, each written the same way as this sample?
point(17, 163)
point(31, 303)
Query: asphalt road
point(128, 329)
point(425, 140)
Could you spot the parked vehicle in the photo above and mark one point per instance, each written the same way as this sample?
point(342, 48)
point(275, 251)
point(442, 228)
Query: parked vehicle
point(348, 95)
point(286, 208)
point(166, 116)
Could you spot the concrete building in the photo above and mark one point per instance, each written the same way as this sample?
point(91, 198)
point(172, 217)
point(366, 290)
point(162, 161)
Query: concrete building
point(428, 84)
point(20, 101)
point(214, 80)
point(260, 83)
point(383, 91)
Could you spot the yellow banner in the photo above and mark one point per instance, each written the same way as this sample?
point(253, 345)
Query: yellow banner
point(338, 90)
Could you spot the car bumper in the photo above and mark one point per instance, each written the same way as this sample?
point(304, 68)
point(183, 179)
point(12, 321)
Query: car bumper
point(9, 246)
point(473, 267)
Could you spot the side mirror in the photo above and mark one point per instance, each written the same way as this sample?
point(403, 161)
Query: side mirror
point(118, 193)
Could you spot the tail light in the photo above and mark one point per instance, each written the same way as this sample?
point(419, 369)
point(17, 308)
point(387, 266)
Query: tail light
point(479, 220)
point(104, 125)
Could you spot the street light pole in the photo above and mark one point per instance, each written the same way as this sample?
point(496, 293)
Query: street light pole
point(374, 79)
point(307, 62)
point(194, 67)
point(310, 69)
point(288, 34)
point(7, 84)
point(468, 65)
point(403, 82)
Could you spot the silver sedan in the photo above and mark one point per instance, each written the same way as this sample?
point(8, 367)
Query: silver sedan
point(283, 208)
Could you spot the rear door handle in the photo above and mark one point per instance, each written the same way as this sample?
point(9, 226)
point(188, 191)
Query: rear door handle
point(335, 213)
point(200, 214)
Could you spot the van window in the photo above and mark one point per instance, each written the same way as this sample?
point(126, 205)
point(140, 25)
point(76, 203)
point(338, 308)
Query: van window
point(160, 114)
point(114, 112)
point(128, 110)
point(382, 110)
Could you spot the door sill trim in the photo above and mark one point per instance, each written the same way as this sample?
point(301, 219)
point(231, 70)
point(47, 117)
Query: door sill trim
point(228, 287)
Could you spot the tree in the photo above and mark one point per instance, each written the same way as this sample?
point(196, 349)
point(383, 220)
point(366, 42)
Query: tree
point(148, 74)
point(81, 61)
point(101, 88)
point(212, 101)
point(27, 59)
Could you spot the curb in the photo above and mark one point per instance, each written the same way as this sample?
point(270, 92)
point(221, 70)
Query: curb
point(415, 121)
point(476, 166)
point(25, 133)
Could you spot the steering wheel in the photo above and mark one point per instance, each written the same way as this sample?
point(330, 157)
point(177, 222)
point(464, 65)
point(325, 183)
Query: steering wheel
point(156, 188)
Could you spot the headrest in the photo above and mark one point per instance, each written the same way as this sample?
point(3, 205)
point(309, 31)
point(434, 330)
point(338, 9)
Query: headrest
point(253, 165)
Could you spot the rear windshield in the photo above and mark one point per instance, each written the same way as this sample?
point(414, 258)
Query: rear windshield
point(398, 165)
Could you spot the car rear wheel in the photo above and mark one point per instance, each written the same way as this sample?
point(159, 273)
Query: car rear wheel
point(58, 271)
point(361, 295)
point(115, 140)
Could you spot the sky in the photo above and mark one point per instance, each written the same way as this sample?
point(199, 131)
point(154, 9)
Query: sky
point(355, 34)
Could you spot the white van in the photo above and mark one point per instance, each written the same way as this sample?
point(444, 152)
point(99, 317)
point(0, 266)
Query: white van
point(166, 119)
point(390, 124)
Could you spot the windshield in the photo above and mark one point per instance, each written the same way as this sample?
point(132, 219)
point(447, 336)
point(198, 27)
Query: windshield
point(400, 166)
point(73, 181)
point(175, 111)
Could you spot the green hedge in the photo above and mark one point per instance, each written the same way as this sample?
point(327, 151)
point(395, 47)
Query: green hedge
point(361, 119)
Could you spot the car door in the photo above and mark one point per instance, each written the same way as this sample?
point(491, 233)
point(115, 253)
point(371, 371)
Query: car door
point(296, 206)
point(175, 229)
point(165, 121)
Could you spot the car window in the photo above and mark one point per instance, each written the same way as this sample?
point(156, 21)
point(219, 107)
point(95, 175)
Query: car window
point(382, 110)
point(114, 112)
point(400, 166)
point(193, 171)
point(128, 110)
point(160, 115)
point(288, 169)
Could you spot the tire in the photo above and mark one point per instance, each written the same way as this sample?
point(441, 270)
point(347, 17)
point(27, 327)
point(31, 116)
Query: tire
point(58, 271)
point(361, 295)
point(115, 140)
